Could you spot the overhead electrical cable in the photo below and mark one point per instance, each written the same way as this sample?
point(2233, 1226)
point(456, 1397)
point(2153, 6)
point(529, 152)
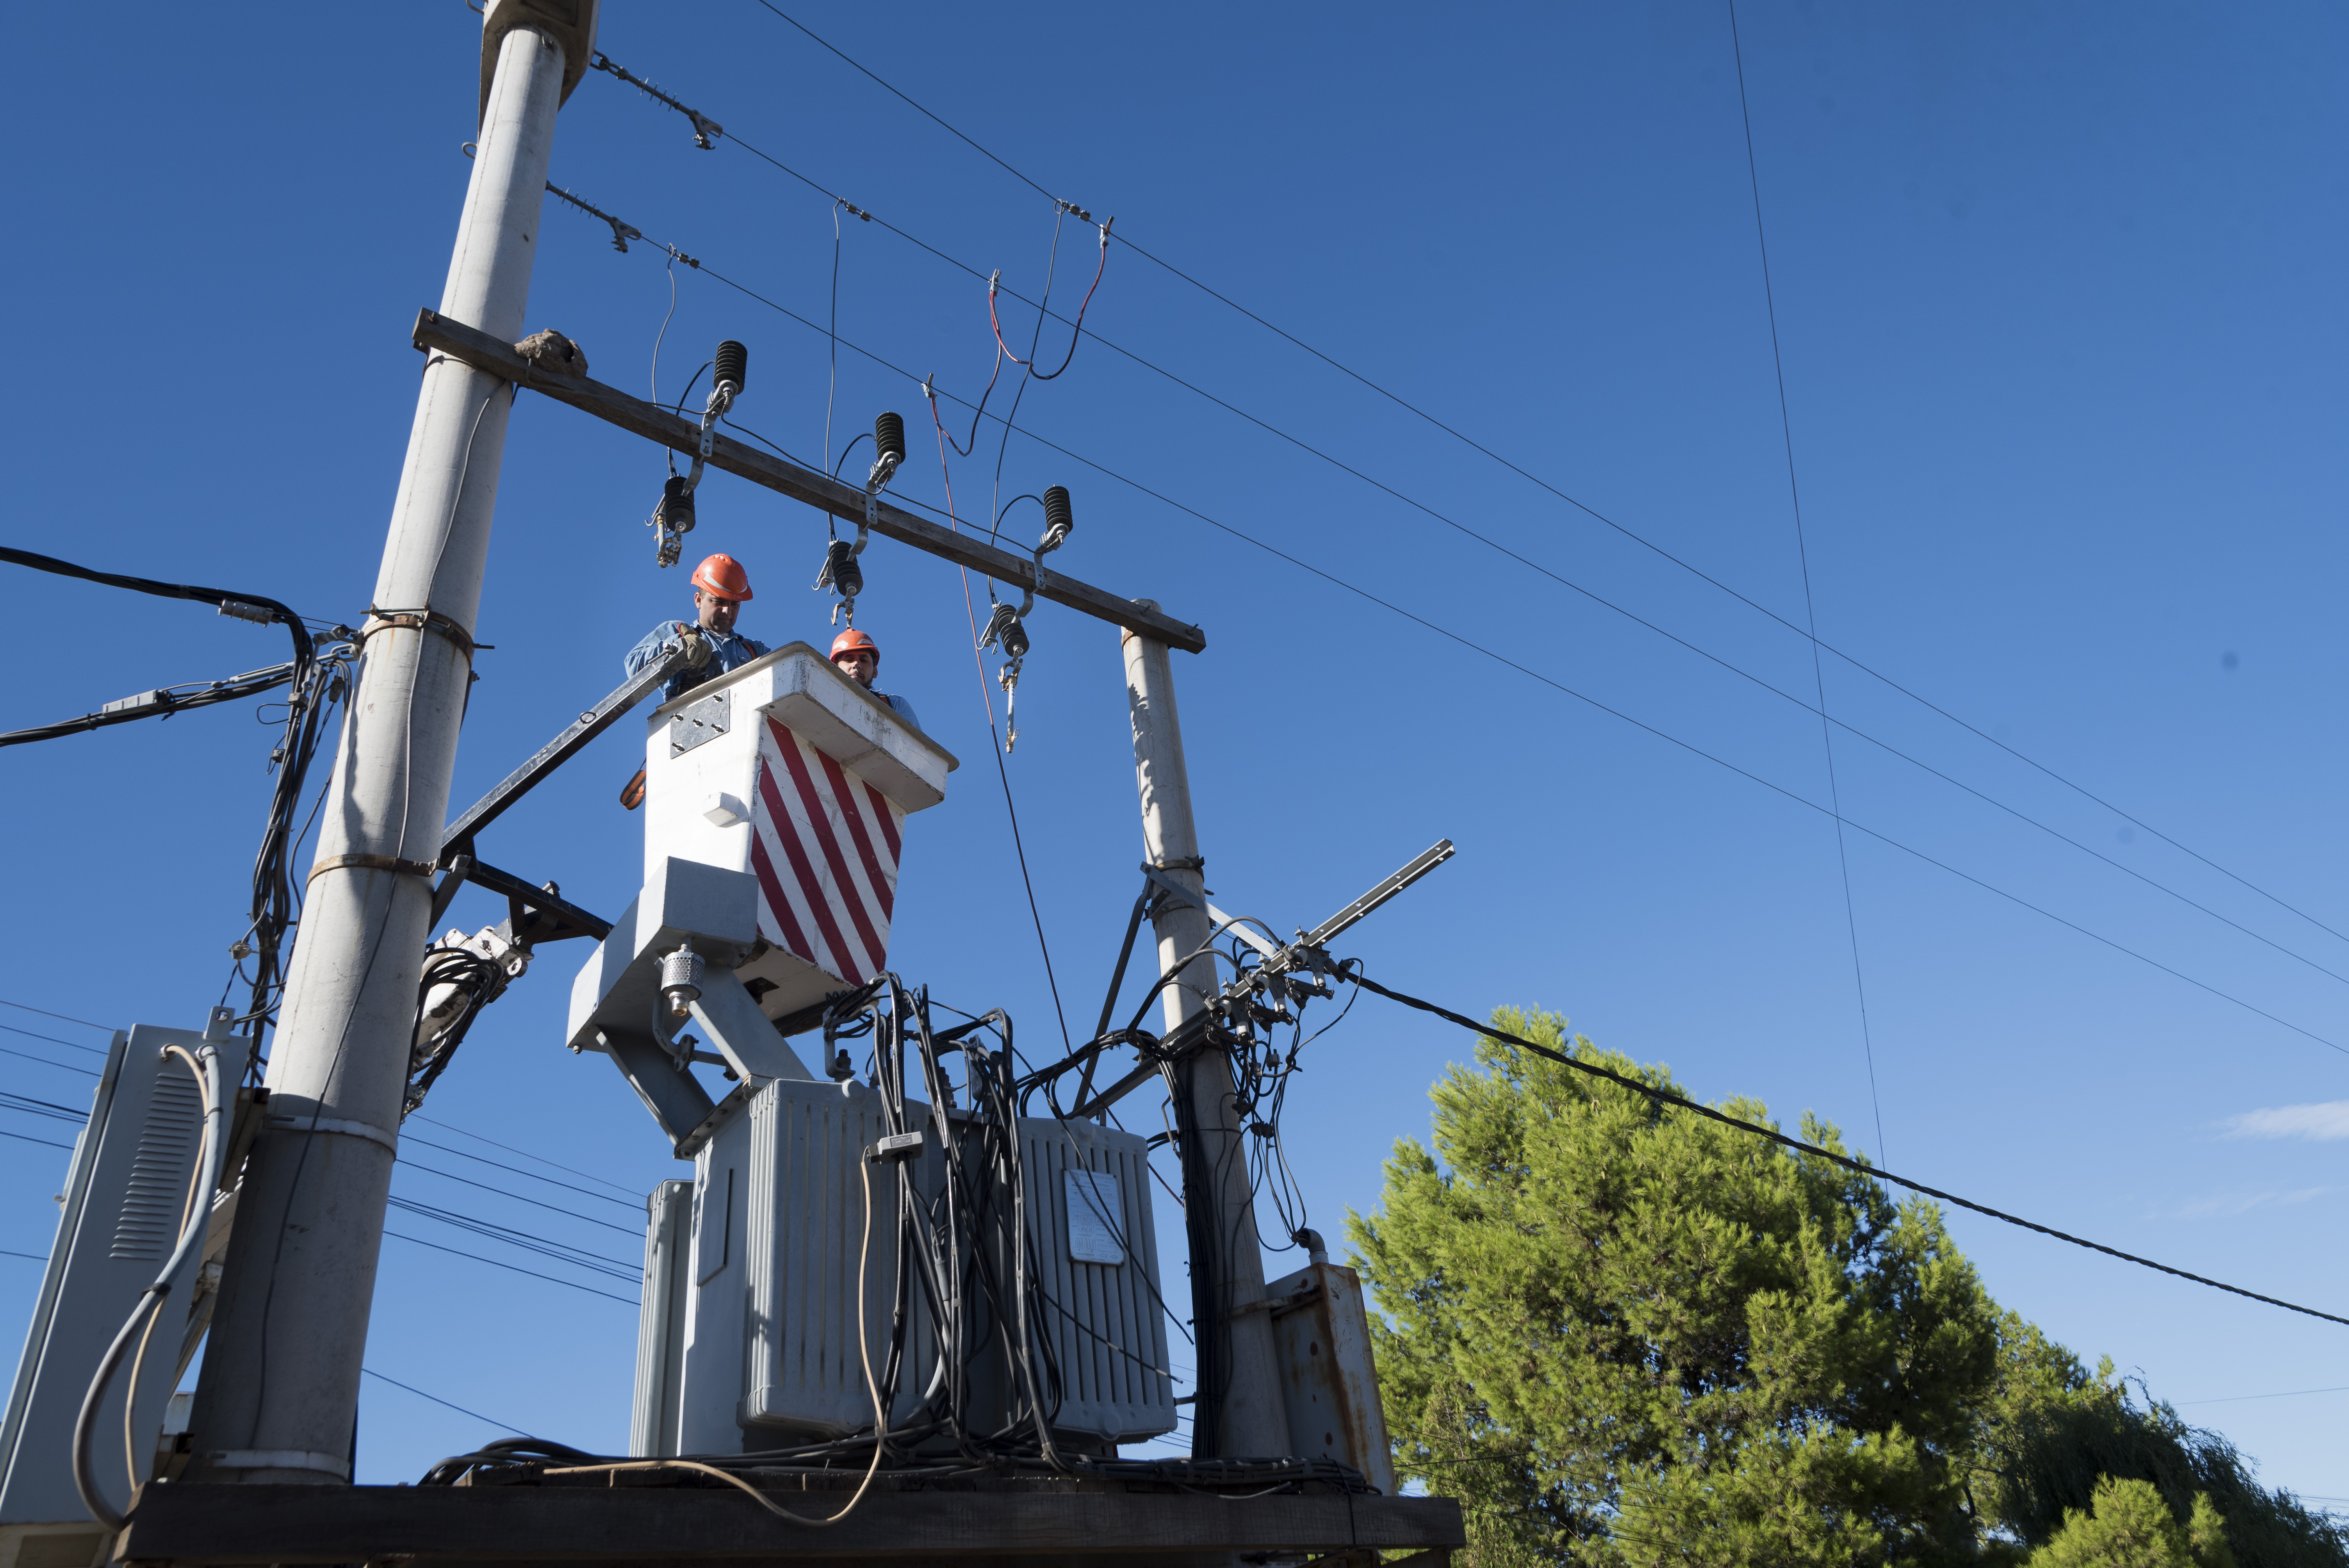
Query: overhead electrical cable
point(409, 1138)
point(1532, 674)
point(418, 1240)
point(52, 1039)
point(1531, 478)
point(61, 1017)
point(446, 1404)
point(1810, 606)
point(1877, 1173)
point(61, 1067)
point(1818, 710)
point(578, 1257)
point(159, 703)
point(43, 1142)
point(526, 1154)
point(534, 1202)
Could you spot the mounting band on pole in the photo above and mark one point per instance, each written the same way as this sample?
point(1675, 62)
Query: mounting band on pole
point(369, 863)
point(367, 1130)
point(282, 1459)
point(419, 620)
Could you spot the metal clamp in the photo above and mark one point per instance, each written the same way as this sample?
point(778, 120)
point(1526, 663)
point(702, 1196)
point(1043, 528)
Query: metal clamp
point(367, 1130)
point(369, 863)
point(419, 620)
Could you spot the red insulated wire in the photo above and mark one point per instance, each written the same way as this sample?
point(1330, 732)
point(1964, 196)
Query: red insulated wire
point(1079, 327)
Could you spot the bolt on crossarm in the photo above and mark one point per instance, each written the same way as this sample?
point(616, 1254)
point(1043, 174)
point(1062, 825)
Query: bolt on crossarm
point(1239, 1411)
point(279, 1392)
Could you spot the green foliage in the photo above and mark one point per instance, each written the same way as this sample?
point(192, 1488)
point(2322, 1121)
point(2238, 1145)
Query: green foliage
point(2055, 1433)
point(2129, 1525)
point(1683, 1343)
point(1624, 1334)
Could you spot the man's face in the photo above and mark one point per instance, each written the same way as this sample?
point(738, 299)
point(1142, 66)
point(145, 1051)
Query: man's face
point(859, 665)
point(717, 612)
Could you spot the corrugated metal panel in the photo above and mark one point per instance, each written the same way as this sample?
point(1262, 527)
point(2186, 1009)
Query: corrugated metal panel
point(660, 1323)
point(804, 1228)
point(1106, 1321)
point(155, 1197)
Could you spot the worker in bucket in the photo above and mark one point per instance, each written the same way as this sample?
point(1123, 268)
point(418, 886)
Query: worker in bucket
point(720, 588)
point(858, 656)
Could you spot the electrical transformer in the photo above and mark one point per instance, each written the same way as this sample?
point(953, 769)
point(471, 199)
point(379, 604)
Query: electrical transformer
point(750, 1337)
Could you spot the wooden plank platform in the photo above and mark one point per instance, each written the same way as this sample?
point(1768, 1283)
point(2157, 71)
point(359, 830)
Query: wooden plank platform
point(676, 1527)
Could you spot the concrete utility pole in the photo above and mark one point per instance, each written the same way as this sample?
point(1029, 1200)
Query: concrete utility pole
point(1255, 1420)
point(279, 1392)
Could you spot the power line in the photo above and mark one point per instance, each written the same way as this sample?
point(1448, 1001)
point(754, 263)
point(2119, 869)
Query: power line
point(560, 1252)
point(1810, 636)
point(418, 1241)
point(501, 1191)
point(526, 1154)
point(1818, 710)
point(34, 1257)
point(1530, 672)
point(2287, 1394)
point(1810, 607)
point(61, 1067)
point(22, 1138)
point(31, 1106)
point(69, 1044)
point(437, 1399)
point(45, 1012)
point(1680, 1102)
point(600, 1197)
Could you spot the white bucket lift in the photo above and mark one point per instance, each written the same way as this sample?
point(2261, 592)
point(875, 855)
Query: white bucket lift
point(775, 801)
point(786, 769)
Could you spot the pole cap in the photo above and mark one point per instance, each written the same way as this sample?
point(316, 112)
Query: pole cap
point(570, 23)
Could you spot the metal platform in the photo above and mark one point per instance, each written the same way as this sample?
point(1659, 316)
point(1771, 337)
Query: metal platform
point(656, 1521)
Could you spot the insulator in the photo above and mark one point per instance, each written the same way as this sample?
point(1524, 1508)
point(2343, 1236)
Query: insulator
point(676, 504)
point(1058, 520)
point(1005, 630)
point(841, 573)
point(889, 436)
point(244, 612)
point(733, 362)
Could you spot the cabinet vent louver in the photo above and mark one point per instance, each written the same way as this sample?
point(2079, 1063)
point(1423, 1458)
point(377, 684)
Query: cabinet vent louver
point(157, 1192)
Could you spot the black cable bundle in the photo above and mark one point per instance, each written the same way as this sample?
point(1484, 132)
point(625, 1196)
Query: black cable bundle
point(316, 685)
point(479, 981)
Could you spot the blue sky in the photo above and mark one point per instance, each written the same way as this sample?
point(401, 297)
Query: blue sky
point(2057, 295)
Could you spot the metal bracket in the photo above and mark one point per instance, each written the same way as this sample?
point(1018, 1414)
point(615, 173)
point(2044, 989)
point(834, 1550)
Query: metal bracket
point(698, 722)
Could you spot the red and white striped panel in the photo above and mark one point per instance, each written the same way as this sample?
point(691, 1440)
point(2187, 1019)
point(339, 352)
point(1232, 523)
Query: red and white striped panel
point(824, 847)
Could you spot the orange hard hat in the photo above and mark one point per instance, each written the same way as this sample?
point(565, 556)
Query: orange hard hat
point(723, 575)
point(853, 641)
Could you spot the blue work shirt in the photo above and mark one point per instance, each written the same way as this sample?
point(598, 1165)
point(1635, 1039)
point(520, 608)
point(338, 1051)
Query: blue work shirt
point(729, 651)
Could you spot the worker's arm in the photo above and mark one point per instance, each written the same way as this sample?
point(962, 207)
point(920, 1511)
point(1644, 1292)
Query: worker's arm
point(658, 642)
point(905, 710)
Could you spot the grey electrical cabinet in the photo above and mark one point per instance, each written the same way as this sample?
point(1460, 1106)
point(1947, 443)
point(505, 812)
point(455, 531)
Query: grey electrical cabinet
point(751, 1333)
point(125, 1196)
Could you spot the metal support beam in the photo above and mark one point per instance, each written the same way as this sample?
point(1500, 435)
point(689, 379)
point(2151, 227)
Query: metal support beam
point(561, 750)
point(438, 333)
